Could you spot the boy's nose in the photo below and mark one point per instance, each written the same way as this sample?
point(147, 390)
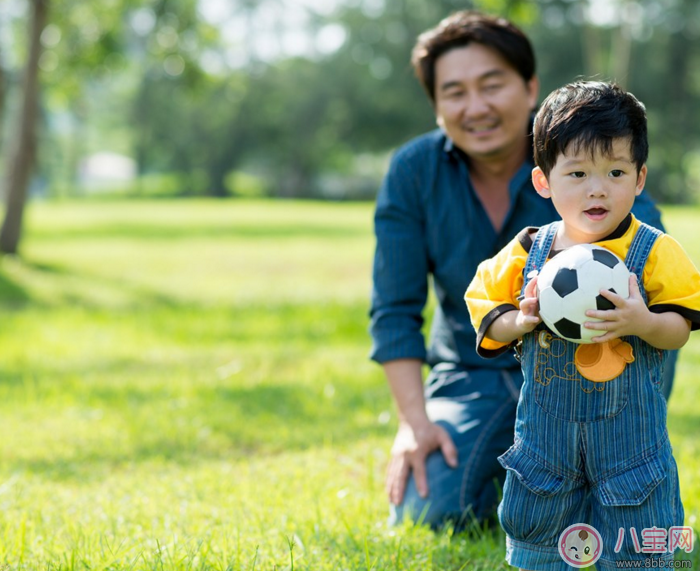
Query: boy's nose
point(597, 188)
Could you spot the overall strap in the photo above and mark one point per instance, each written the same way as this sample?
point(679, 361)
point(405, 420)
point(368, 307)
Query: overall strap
point(638, 253)
point(539, 251)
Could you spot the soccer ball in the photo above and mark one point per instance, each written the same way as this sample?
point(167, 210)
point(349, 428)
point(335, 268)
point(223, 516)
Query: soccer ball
point(570, 283)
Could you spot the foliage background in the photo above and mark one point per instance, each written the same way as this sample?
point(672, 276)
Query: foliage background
point(306, 98)
point(184, 384)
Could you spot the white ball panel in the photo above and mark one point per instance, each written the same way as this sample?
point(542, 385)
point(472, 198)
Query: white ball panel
point(592, 276)
point(621, 280)
point(550, 306)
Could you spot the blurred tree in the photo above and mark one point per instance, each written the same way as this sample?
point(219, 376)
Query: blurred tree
point(23, 155)
point(649, 47)
point(172, 90)
point(210, 94)
point(296, 118)
point(673, 100)
point(3, 94)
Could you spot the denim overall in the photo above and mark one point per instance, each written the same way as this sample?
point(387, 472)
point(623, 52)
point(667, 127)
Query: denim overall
point(584, 451)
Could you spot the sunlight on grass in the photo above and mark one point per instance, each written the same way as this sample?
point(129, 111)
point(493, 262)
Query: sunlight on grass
point(202, 252)
point(185, 385)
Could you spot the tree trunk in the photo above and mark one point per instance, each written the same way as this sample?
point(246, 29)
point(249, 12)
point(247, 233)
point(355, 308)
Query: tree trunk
point(679, 120)
point(593, 54)
point(621, 50)
point(23, 156)
point(3, 92)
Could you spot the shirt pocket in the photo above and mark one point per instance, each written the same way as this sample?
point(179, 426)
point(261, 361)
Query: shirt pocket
point(632, 486)
point(533, 474)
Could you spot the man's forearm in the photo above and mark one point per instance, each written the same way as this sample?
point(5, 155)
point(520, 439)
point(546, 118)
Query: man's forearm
point(405, 377)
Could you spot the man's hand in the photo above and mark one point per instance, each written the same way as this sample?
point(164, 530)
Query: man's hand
point(410, 449)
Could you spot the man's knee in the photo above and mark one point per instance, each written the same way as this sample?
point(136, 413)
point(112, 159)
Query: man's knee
point(442, 499)
point(449, 499)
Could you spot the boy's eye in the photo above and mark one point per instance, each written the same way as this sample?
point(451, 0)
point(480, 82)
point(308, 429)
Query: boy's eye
point(616, 173)
point(578, 174)
point(491, 87)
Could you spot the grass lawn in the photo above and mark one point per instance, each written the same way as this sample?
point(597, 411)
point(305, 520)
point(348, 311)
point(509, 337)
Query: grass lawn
point(184, 385)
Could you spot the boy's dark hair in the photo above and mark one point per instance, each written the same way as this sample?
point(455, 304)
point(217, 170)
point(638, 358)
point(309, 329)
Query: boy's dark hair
point(589, 115)
point(461, 29)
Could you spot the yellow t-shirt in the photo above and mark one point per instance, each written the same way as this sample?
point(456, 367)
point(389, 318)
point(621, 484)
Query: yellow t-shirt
point(671, 281)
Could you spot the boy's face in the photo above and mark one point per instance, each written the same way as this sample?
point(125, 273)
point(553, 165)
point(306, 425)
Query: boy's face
point(593, 195)
point(483, 103)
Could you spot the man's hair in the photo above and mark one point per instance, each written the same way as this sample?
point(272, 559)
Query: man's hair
point(466, 27)
point(589, 115)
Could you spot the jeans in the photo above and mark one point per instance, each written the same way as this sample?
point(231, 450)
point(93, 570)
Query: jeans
point(477, 408)
point(584, 452)
point(669, 373)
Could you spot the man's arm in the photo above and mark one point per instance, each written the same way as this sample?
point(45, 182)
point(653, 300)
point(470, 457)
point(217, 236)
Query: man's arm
point(400, 289)
point(645, 209)
point(400, 269)
point(417, 435)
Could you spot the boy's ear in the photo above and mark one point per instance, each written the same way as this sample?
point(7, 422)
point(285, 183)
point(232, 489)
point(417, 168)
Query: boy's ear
point(641, 180)
point(540, 182)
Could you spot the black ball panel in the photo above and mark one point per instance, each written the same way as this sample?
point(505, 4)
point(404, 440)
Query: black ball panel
point(565, 282)
point(606, 258)
point(604, 304)
point(568, 329)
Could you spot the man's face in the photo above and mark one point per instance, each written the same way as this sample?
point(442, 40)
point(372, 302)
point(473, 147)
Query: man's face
point(482, 102)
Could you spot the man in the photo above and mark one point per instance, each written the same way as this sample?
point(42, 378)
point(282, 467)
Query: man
point(450, 199)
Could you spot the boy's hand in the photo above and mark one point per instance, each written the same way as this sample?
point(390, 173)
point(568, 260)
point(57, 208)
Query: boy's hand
point(512, 325)
point(528, 316)
point(630, 316)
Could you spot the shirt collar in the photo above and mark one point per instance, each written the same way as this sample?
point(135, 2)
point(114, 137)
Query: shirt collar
point(449, 146)
point(620, 231)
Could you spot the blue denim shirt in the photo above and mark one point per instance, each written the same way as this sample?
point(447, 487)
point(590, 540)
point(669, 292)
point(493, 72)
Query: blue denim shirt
point(429, 222)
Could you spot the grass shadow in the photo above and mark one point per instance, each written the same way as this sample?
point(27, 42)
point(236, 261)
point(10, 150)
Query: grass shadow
point(213, 424)
point(143, 296)
point(11, 294)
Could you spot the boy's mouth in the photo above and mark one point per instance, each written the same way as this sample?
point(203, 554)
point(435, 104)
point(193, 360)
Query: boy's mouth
point(596, 213)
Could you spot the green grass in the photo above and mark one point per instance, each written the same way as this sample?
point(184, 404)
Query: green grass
point(185, 385)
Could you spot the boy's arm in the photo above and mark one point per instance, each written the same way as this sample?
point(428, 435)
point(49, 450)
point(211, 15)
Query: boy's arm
point(512, 325)
point(666, 330)
point(493, 293)
point(672, 284)
point(631, 316)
